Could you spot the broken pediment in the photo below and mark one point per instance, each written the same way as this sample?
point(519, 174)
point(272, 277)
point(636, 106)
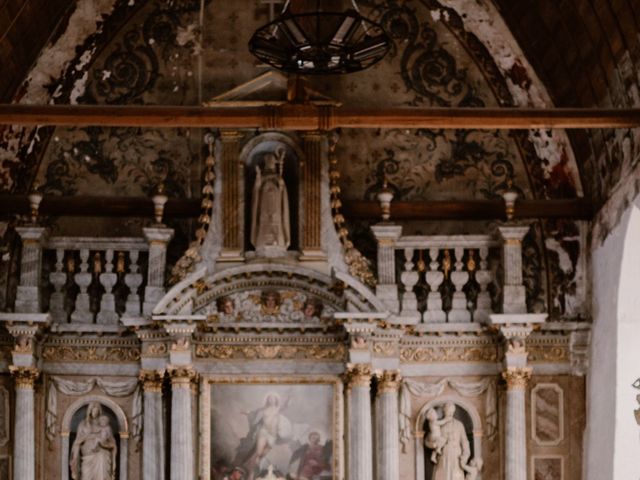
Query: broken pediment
point(271, 88)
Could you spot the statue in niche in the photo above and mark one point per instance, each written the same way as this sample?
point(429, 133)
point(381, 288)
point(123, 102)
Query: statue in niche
point(270, 227)
point(93, 454)
point(451, 451)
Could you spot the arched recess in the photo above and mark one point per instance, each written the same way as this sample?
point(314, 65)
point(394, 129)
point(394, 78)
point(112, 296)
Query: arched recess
point(123, 433)
point(471, 411)
point(613, 436)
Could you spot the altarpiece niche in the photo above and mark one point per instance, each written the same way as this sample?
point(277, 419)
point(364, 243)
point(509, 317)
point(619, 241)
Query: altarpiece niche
point(271, 198)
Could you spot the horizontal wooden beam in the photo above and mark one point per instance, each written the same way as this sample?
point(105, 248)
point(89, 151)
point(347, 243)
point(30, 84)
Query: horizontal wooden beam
point(315, 117)
point(576, 209)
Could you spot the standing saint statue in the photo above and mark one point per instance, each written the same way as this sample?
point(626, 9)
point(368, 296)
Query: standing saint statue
point(450, 445)
point(270, 229)
point(93, 454)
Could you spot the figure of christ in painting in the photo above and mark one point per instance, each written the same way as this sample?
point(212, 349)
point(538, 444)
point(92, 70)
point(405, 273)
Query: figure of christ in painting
point(313, 458)
point(93, 454)
point(267, 427)
point(270, 229)
point(455, 451)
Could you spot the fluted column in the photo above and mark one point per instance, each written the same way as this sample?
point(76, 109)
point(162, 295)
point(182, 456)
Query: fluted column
point(387, 437)
point(517, 379)
point(152, 441)
point(24, 447)
point(360, 440)
point(387, 289)
point(28, 292)
point(182, 453)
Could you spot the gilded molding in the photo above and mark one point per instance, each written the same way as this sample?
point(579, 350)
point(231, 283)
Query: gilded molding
point(25, 377)
point(336, 352)
point(152, 380)
point(358, 375)
point(90, 354)
point(388, 382)
point(486, 353)
point(541, 354)
point(517, 378)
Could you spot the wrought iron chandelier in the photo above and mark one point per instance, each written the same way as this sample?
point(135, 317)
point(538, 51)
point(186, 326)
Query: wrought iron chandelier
point(312, 41)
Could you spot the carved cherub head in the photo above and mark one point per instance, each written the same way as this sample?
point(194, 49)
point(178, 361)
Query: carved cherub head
point(312, 308)
point(225, 305)
point(270, 301)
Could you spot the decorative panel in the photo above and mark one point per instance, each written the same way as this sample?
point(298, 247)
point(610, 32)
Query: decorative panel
point(547, 414)
point(549, 467)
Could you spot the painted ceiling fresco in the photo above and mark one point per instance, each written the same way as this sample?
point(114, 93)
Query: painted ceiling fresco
point(171, 52)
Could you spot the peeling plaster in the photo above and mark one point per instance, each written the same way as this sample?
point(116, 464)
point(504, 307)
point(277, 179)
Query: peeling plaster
point(54, 59)
point(482, 19)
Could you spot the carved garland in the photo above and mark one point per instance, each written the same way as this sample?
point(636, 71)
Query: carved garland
point(358, 265)
point(185, 264)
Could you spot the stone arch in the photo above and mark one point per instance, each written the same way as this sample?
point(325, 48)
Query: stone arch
point(123, 433)
point(462, 403)
point(612, 439)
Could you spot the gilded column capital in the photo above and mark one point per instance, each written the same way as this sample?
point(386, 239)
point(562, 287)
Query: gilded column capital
point(517, 378)
point(358, 375)
point(151, 380)
point(25, 377)
point(182, 376)
point(388, 381)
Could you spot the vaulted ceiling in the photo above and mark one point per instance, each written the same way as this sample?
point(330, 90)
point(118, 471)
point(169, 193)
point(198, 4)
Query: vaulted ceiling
point(576, 47)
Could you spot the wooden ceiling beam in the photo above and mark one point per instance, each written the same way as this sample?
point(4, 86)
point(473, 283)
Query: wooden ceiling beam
point(576, 209)
point(315, 117)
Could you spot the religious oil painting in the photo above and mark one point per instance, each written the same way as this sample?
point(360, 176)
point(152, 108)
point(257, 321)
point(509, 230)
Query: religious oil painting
point(273, 431)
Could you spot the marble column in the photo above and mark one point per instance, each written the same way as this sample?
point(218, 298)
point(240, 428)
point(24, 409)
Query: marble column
point(182, 453)
point(153, 431)
point(359, 436)
point(24, 454)
point(387, 289)
point(516, 423)
point(387, 435)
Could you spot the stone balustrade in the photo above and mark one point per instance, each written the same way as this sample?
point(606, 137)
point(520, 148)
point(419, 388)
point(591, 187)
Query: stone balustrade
point(95, 280)
point(434, 279)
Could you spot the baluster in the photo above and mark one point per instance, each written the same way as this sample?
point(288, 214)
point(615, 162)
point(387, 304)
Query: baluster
point(58, 280)
point(133, 280)
point(434, 277)
point(409, 278)
point(107, 313)
point(484, 278)
point(82, 312)
point(459, 311)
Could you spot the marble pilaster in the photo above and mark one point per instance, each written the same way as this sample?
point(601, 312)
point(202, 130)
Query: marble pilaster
point(153, 429)
point(360, 441)
point(514, 294)
point(311, 197)
point(24, 445)
point(387, 288)
point(232, 201)
point(158, 238)
point(387, 435)
point(28, 293)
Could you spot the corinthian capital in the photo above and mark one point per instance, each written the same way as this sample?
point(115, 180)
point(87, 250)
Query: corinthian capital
point(151, 380)
point(388, 381)
point(25, 377)
point(358, 375)
point(517, 378)
point(182, 376)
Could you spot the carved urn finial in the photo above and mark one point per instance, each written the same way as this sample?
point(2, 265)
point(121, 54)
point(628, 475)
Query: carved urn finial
point(159, 200)
point(35, 198)
point(510, 196)
point(385, 196)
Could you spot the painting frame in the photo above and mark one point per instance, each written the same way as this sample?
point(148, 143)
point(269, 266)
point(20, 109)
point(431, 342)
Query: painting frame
point(208, 382)
point(549, 457)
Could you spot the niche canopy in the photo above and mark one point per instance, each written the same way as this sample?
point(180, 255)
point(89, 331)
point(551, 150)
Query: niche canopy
point(312, 41)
